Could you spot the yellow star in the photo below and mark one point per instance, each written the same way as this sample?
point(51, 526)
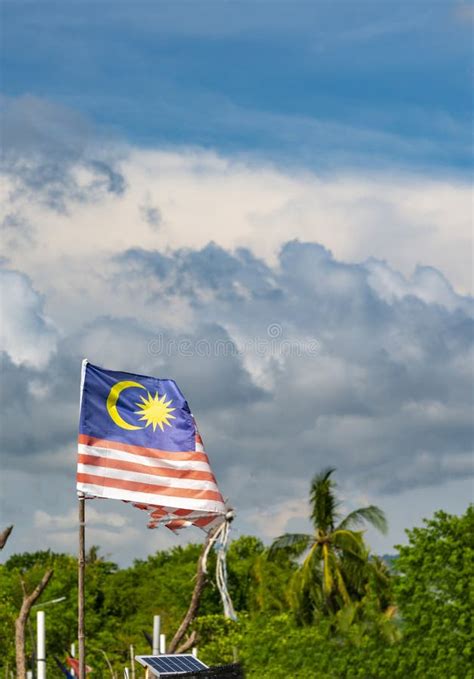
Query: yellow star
point(155, 411)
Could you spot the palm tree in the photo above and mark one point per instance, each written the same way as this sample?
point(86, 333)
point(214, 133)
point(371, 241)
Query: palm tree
point(334, 570)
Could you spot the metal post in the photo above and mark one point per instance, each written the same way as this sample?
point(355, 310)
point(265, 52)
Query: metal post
point(162, 643)
point(156, 634)
point(73, 655)
point(132, 662)
point(81, 569)
point(40, 646)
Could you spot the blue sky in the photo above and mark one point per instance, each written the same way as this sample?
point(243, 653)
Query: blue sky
point(319, 83)
point(208, 173)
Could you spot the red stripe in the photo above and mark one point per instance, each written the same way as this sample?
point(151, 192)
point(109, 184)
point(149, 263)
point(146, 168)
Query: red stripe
point(175, 524)
point(145, 469)
point(159, 512)
point(183, 512)
point(74, 664)
point(140, 450)
point(138, 487)
point(200, 523)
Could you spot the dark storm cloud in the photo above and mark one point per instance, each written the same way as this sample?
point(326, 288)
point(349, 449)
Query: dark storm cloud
point(44, 147)
point(287, 368)
point(230, 276)
point(15, 231)
point(39, 411)
point(386, 397)
point(112, 180)
point(49, 396)
point(151, 215)
point(203, 360)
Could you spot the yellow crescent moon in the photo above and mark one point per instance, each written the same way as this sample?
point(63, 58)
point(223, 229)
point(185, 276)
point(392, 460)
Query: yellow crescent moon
point(112, 403)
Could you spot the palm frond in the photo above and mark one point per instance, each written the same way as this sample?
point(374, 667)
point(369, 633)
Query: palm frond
point(372, 514)
point(379, 570)
point(305, 596)
point(323, 500)
point(311, 568)
point(341, 585)
point(355, 575)
point(346, 616)
point(295, 544)
point(350, 543)
point(327, 575)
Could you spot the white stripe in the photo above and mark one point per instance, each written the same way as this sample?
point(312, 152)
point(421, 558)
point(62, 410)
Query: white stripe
point(199, 448)
point(210, 506)
point(170, 511)
point(113, 454)
point(189, 520)
point(108, 472)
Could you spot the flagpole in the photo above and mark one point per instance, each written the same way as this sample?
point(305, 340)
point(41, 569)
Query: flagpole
point(80, 589)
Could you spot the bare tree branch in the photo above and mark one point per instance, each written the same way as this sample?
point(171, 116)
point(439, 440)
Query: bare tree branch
point(109, 665)
point(189, 643)
point(192, 611)
point(4, 535)
point(20, 623)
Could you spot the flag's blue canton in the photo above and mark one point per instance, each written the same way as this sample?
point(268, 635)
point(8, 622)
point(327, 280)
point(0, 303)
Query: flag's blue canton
point(97, 422)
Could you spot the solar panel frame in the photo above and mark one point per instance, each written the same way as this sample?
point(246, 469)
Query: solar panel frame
point(166, 664)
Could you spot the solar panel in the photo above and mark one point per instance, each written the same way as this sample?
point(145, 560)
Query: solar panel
point(171, 664)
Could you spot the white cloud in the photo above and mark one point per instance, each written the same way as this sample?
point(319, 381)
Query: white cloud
point(275, 519)
point(102, 518)
point(26, 334)
point(385, 397)
point(405, 220)
point(109, 529)
point(426, 283)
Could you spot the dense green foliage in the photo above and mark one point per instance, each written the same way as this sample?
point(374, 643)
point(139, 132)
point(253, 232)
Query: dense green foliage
point(426, 635)
point(435, 593)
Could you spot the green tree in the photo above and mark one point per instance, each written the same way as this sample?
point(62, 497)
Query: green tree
point(334, 570)
point(255, 582)
point(241, 558)
point(432, 589)
point(435, 595)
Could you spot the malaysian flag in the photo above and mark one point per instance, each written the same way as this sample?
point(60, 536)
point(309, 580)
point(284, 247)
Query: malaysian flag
point(138, 442)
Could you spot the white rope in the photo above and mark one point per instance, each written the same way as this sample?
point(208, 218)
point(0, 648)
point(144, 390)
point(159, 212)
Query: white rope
point(220, 540)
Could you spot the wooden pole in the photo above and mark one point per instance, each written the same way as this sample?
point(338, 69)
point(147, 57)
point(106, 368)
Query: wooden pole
point(80, 582)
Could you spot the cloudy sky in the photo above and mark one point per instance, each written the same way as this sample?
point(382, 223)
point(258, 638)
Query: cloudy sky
point(269, 202)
